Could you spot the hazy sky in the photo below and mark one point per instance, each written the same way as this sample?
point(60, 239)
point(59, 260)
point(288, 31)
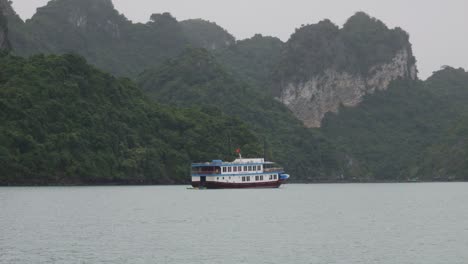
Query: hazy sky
point(438, 28)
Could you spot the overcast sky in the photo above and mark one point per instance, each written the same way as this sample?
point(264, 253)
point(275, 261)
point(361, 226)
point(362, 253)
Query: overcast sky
point(438, 28)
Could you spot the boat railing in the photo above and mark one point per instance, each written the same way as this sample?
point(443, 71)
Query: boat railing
point(272, 169)
point(205, 172)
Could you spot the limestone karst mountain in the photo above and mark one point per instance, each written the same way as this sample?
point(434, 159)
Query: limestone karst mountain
point(106, 38)
point(414, 130)
point(324, 66)
point(62, 121)
point(196, 78)
point(97, 31)
point(253, 60)
point(331, 104)
point(207, 35)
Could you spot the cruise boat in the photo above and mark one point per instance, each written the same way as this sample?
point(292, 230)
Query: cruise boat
point(241, 173)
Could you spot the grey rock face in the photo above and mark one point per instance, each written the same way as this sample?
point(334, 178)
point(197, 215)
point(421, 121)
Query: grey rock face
point(312, 99)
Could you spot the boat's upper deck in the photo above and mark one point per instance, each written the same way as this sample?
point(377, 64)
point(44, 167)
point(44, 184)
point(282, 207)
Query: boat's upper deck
point(238, 162)
point(237, 167)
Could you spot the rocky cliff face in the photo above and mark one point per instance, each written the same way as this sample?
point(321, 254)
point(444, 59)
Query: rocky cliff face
point(324, 67)
point(310, 100)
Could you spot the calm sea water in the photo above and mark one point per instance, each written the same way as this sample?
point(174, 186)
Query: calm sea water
point(336, 223)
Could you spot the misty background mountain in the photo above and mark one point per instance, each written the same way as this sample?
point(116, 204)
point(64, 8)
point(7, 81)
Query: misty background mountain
point(330, 104)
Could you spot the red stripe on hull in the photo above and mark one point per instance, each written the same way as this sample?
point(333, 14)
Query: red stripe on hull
point(226, 185)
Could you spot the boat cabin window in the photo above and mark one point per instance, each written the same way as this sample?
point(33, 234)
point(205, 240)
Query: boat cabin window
point(259, 167)
point(206, 170)
point(271, 167)
point(245, 168)
point(235, 169)
point(224, 169)
point(240, 168)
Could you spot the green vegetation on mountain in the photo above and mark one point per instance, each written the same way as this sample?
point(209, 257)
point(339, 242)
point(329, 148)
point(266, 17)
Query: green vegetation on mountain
point(107, 39)
point(362, 43)
point(371, 42)
point(95, 30)
point(4, 41)
point(65, 122)
point(253, 59)
point(447, 159)
point(195, 78)
point(205, 34)
point(17, 32)
point(414, 130)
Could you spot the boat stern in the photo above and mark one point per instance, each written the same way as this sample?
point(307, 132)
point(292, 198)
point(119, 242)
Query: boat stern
point(283, 177)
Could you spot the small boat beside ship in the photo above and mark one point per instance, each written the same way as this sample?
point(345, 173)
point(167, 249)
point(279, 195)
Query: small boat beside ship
point(241, 173)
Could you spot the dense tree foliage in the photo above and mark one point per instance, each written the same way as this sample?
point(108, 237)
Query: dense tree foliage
point(362, 43)
point(4, 41)
point(253, 59)
point(95, 30)
point(414, 130)
point(205, 34)
point(370, 42)
point(447, 159)
point(65, 122)
point(196, 78)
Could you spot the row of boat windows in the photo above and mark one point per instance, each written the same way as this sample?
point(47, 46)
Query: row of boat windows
point(239, 168)
point(257, 178)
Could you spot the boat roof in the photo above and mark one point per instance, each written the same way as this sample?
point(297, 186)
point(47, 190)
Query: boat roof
point(233, 163)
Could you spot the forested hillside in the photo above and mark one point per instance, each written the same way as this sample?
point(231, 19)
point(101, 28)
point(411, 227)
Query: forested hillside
point(207, 35)
point(362, 43)
point(95, 30)
point(413, 131)
point(4, 41)
point(196, 78)
point(106, 38)
point(324, 66)
point(253, 60)
point(65, 122)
